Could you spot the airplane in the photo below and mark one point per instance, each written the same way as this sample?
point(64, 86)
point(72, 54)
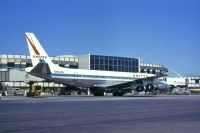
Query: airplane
point(172, 80)
point(44, 68)
point(175, 81)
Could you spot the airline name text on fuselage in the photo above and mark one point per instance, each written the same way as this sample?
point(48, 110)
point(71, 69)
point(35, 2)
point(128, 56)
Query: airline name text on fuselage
point(58, 71)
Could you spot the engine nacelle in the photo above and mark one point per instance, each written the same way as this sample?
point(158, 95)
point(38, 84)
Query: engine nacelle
point(149, 87)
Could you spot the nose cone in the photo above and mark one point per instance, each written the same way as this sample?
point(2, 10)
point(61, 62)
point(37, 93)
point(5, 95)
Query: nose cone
point(161, 84)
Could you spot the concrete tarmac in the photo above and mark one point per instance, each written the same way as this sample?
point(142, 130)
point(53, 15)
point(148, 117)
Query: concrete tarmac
point(159, 114)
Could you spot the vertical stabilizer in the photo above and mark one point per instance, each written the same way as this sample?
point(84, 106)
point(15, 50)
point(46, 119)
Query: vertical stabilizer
point(37, 53)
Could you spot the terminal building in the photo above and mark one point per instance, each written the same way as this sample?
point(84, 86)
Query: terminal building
point(12, 74)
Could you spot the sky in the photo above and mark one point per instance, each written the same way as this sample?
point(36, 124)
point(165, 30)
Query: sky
point(165, 32)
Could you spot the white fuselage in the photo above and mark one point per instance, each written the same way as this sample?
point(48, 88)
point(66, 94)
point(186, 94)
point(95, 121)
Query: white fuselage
point(89, 78)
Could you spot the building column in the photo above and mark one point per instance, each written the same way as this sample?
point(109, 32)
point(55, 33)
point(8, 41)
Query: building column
point(88, 91)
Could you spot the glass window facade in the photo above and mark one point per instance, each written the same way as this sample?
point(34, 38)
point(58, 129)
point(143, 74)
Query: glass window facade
point(113, 63)
point(11, 64)
point(153, 68)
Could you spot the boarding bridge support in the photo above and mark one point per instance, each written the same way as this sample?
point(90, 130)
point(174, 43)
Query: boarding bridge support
point(187, 83)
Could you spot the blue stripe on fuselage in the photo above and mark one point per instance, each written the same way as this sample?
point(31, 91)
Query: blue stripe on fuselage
point(89, 76)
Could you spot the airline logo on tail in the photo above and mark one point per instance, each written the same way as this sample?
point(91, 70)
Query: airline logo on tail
point(33, 46)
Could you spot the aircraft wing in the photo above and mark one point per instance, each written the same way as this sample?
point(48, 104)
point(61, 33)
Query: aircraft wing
point(153, 77)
